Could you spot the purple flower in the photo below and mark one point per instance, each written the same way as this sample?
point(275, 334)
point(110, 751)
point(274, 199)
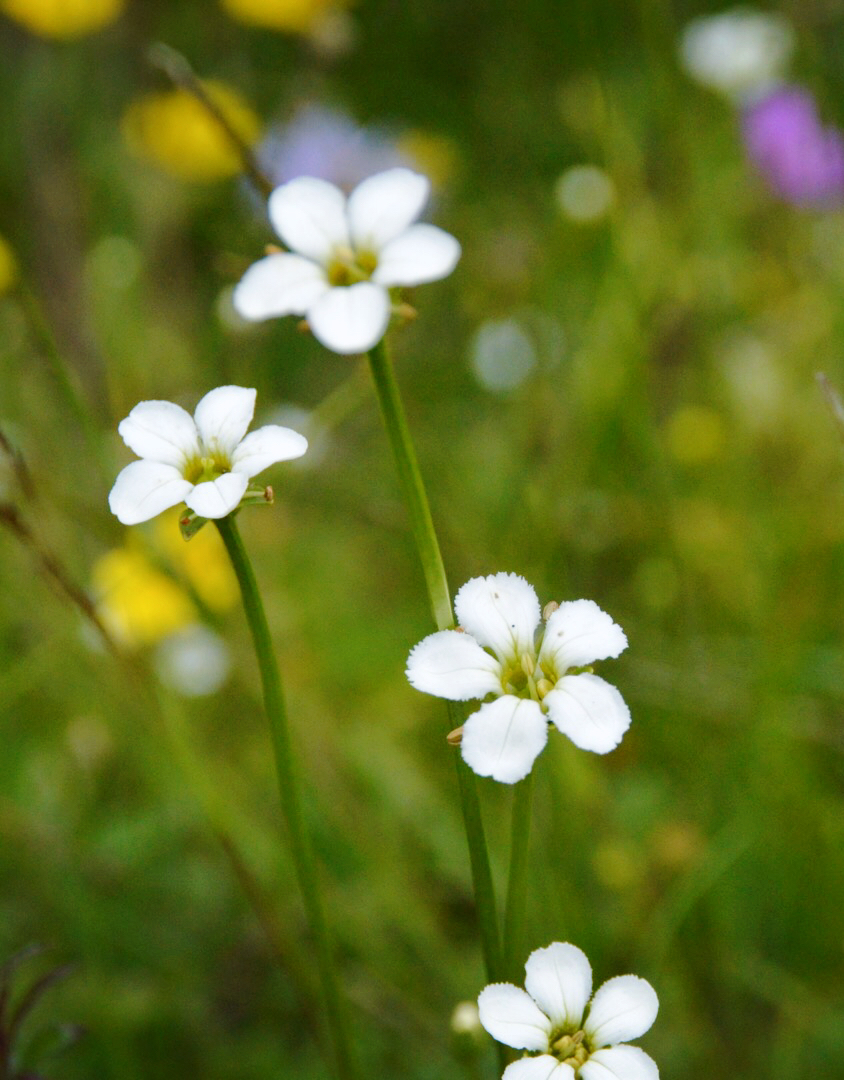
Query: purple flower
point(801, 159)
point(327, 144)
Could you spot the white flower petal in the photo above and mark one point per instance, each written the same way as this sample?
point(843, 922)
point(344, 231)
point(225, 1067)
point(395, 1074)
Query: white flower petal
point(578, 633)
point(559, 979)
point(145, 488)
point(223, 416)
point(619, 1063)
point(500, 611)
point(351, 319)
point(623, 1008)
point(504, 738)
point(265, 447)
point(216, 498)
point(279, 285)
point(510, 1016)
point(384, 205)
point(590, 711)
point(544, 1067)
point(421, 253)
point(310, 217)
point(454, 666)
point(160, 431)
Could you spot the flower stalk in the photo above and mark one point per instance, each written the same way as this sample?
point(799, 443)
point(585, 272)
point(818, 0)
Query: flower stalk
point(289, 795)
point(436, 583)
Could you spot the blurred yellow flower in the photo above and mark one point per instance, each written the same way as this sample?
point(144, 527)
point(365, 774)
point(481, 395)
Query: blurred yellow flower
point(8, 267)
point(202, 562)
point(177, 133)
point(296, 16)
point(138, 603)
point(435, 155)
point(62, 19)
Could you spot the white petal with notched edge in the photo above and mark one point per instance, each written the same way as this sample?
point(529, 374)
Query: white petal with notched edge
point(559, 979)
point(622, 1009)
point(504, 738)
point(500, 611)
point(454, 666)
point(420, 254)
point(279, 285)
point(160, 431)
point(310, 217)
point(589, 710)
point(144, 489)
point(511, 1017)
point(351, 319)
point(265, 447)
point(216, 498)
point(578, 633)
point(544, 1067)
point(619, 1063)
point(384, 205)
point(223, 416)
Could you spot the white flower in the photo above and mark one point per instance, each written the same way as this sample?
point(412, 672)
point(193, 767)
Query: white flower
point(203, 460)
point(496, 651)
point(344, 256)
point(742, 53)
point(571, 1036)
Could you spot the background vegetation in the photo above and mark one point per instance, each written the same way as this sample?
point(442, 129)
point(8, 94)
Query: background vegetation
point(669, 455)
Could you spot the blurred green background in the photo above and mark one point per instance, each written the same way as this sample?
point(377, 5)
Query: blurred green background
point(657, 442)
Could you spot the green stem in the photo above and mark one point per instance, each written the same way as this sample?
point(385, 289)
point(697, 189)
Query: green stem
point(427, 545)
point(413, 488)
point(514, 916)
point(288, 785)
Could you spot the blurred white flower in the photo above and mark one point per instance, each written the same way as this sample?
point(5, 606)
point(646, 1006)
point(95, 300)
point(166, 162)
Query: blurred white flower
point(585, 193)
point(345, 254)
point(503, 355)
point(496, 651)
point(741, 53)
point(195, 662)
point(547, 1019)
point(203, 460)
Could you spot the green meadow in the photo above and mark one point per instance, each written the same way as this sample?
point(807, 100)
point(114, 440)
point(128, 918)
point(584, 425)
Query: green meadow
point(616, 399)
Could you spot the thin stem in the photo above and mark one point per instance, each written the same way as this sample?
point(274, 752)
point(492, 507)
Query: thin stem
point(427, 545)
point(288, 784)
point(514, 916)
point(404, 454)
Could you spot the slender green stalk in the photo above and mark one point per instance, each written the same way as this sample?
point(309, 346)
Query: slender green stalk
point(288, 784)
point(514, 915)
point(404, 453)
point(401, 444)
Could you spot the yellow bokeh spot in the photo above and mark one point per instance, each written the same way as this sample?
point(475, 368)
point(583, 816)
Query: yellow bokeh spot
point(178, 133)
point(295, 16)
point(138, 603)
point(202, 562)
point(436, 155)
point(62, 19)
point(695, 435)
point(8, 267)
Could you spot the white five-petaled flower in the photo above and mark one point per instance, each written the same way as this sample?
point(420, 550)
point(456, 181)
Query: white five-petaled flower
point(497, 650)
point(571, 1037)
point(202, 460)
point(345, 254)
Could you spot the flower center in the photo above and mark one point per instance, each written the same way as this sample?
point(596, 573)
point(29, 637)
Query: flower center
point(200, 469)
point(348, 267)
point(571, 1049)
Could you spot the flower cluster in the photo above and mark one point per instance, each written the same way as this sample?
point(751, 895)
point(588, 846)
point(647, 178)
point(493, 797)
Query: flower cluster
point(568, 1035)
point(534, 677)
point(202, 460)
point(345, 255)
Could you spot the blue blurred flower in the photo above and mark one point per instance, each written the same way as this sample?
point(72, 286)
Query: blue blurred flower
point(328, 144)
point(801, 159)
